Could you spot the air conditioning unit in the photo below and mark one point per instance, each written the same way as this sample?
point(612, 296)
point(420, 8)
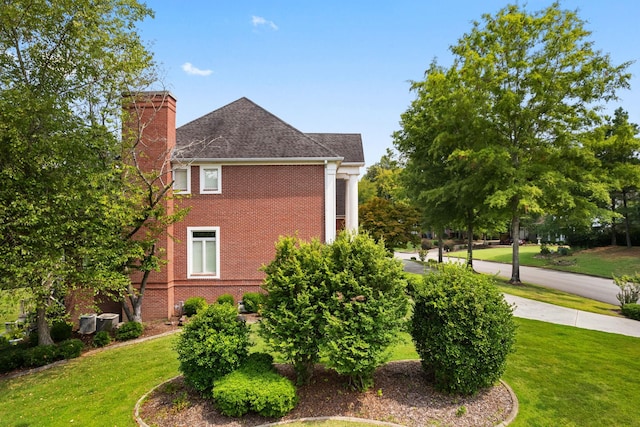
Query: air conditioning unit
point(107, 322)
point(87, 324)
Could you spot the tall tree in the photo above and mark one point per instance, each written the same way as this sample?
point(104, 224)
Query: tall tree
point(438, 133)
point(617, 147)
point(383, 179)
point(385, 210)
point(395, 222)
point(532, 84)
point(63, 68)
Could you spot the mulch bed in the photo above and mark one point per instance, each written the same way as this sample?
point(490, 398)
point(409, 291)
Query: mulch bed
point(401, 395)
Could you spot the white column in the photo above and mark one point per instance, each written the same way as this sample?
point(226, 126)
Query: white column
point(330, 202)
point(351, 203)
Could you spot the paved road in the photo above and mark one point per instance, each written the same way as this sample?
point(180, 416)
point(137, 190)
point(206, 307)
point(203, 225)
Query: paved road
point(594, 288)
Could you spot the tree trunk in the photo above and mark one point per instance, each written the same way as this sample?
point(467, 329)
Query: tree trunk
point(133, 310)
point(128, 311)
point(470, 242)
point(627, 227)
point(515, 261)
point(134, 313)
point(137, 311)
point(44, 334)
point(42, 301)
point(440, 245)
point(614, 239)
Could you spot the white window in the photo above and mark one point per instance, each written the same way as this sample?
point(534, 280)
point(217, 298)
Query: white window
point(182, 180)
point(203, 252)
point(210, 179)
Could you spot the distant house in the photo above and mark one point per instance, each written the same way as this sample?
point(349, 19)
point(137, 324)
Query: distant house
point(248, 178)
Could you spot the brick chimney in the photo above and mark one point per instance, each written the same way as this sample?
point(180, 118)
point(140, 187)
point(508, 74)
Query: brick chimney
point(149, 131)
point(151, 125)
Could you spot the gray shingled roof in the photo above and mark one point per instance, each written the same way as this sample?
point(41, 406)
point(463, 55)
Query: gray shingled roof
point(349, 145)
point(244, 130)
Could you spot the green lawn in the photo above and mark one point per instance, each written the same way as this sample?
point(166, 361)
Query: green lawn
point(601, 262)
point(10, 305)
point(96, 390)
point(563, 376)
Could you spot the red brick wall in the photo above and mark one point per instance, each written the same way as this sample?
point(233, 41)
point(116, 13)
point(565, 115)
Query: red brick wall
point(155, 304)
point(258, 204)
point(151, 125)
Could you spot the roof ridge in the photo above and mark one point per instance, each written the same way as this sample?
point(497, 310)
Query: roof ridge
point(252, 131)
point(216, 110)
point(292, 127)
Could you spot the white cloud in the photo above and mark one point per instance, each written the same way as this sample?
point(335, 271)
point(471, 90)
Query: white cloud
point(190, 69)
point(259, 20)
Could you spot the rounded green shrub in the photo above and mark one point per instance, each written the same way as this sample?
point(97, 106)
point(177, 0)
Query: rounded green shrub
point(11, 358)
point(41, 355)
point(193, 305)
point(462, 328)
point(4, 342)
point(631, 310)
point(129, 331)
point(61, 330)
point(345, 302)
point(259, 362)
point(296, 285)
point(102, 339)
point(253, 301)
point(70, 349)
point(226, 299)
point(32, 339)
point(212, 344)
point(255, 387)
point(366, 310)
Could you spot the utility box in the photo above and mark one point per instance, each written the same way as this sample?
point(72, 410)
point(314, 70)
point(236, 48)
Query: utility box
point(87, 324)
point(107, 322)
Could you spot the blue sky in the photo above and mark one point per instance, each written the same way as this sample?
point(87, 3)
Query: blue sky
point(339, 66)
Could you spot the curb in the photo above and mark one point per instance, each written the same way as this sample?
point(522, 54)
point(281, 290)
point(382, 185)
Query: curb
point(347, 419)
point(136, 409)
point(19, 374)
point(515, 407)
point(129, 342)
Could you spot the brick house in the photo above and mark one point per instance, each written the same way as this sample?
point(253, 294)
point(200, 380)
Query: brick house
point(248, 178)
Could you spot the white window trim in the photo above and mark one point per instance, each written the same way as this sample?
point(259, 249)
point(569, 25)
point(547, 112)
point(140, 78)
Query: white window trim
point(202, 189)
point(190, 274)
point(188, 190)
